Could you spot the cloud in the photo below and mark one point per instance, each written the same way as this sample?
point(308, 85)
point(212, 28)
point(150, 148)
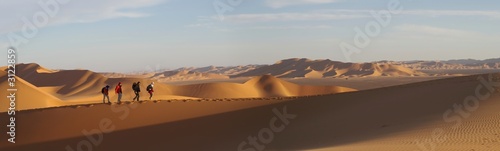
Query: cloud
point(431, 34)
point(431, 13)
point(493, 14)
point(295, 27)
point(338, 14)
point(242, 18)
point(74, 11)
point(413, 30)
point(201, 25)
point(431, 40)
point(284, 3)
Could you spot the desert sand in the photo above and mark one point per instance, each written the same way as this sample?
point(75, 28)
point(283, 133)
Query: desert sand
point(61, 110)
point(386, 119)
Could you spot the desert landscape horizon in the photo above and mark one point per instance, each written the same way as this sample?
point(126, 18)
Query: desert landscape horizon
point(260, 75)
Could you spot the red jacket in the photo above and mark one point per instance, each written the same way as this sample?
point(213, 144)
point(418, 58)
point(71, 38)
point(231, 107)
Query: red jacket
point(118, 88)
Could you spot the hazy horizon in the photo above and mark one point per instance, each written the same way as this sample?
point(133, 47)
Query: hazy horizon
point(135, 35)
point(153, 68)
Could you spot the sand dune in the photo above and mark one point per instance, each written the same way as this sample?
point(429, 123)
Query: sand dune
point(28, 96)
point(185, 75)
point(306, 68)
point(292, 68)
point(261, 86)
point(288, 68)
point(462, 64)
point(83, 86)
point(71, 82)
point(230, 70)
point(386, 119)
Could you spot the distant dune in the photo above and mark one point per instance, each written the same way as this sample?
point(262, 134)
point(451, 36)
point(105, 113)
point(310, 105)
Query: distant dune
point(292, 68)
point(188, 73)
point(185, 75)
point(395, 118)
point(460, 64)
point(306, 68)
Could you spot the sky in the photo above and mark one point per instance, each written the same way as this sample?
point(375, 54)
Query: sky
point(141, 35)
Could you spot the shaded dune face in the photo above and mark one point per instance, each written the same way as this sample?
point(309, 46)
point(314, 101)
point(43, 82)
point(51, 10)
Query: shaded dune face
point(271, 86)
point(71, 82)
point(28, 96)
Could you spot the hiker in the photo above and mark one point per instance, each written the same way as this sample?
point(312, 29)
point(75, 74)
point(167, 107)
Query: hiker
point(105, 93)
point(137, 89)
point(118, 90)
point(150, 90)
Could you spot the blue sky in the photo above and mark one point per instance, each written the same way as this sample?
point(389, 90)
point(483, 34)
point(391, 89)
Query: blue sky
point(137, 35)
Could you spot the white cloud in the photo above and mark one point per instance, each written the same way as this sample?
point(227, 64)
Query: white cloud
point(338, 14)
point(75, 11)
point(239, 18)
point(424, 30)
point(201, 25)
point(411, 40)
point(432, 13)
point(493, 14)
point(296, 27)
point(284, 3)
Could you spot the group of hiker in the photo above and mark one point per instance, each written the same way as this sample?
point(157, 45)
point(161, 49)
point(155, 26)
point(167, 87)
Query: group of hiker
point(118, 90)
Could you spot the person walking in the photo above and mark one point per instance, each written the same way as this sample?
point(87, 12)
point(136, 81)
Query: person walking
point(118, 90)
point(137, 89)
point(105, 93)
point(150, 90)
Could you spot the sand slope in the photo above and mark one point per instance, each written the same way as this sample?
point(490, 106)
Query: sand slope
point(71, 82)
point(28, 96)
point(385, 119)
point(260, 86)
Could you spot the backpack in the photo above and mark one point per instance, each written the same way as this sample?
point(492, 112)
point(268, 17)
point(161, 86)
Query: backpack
point(102, 90)
point(149, 88)
point(134, 86)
